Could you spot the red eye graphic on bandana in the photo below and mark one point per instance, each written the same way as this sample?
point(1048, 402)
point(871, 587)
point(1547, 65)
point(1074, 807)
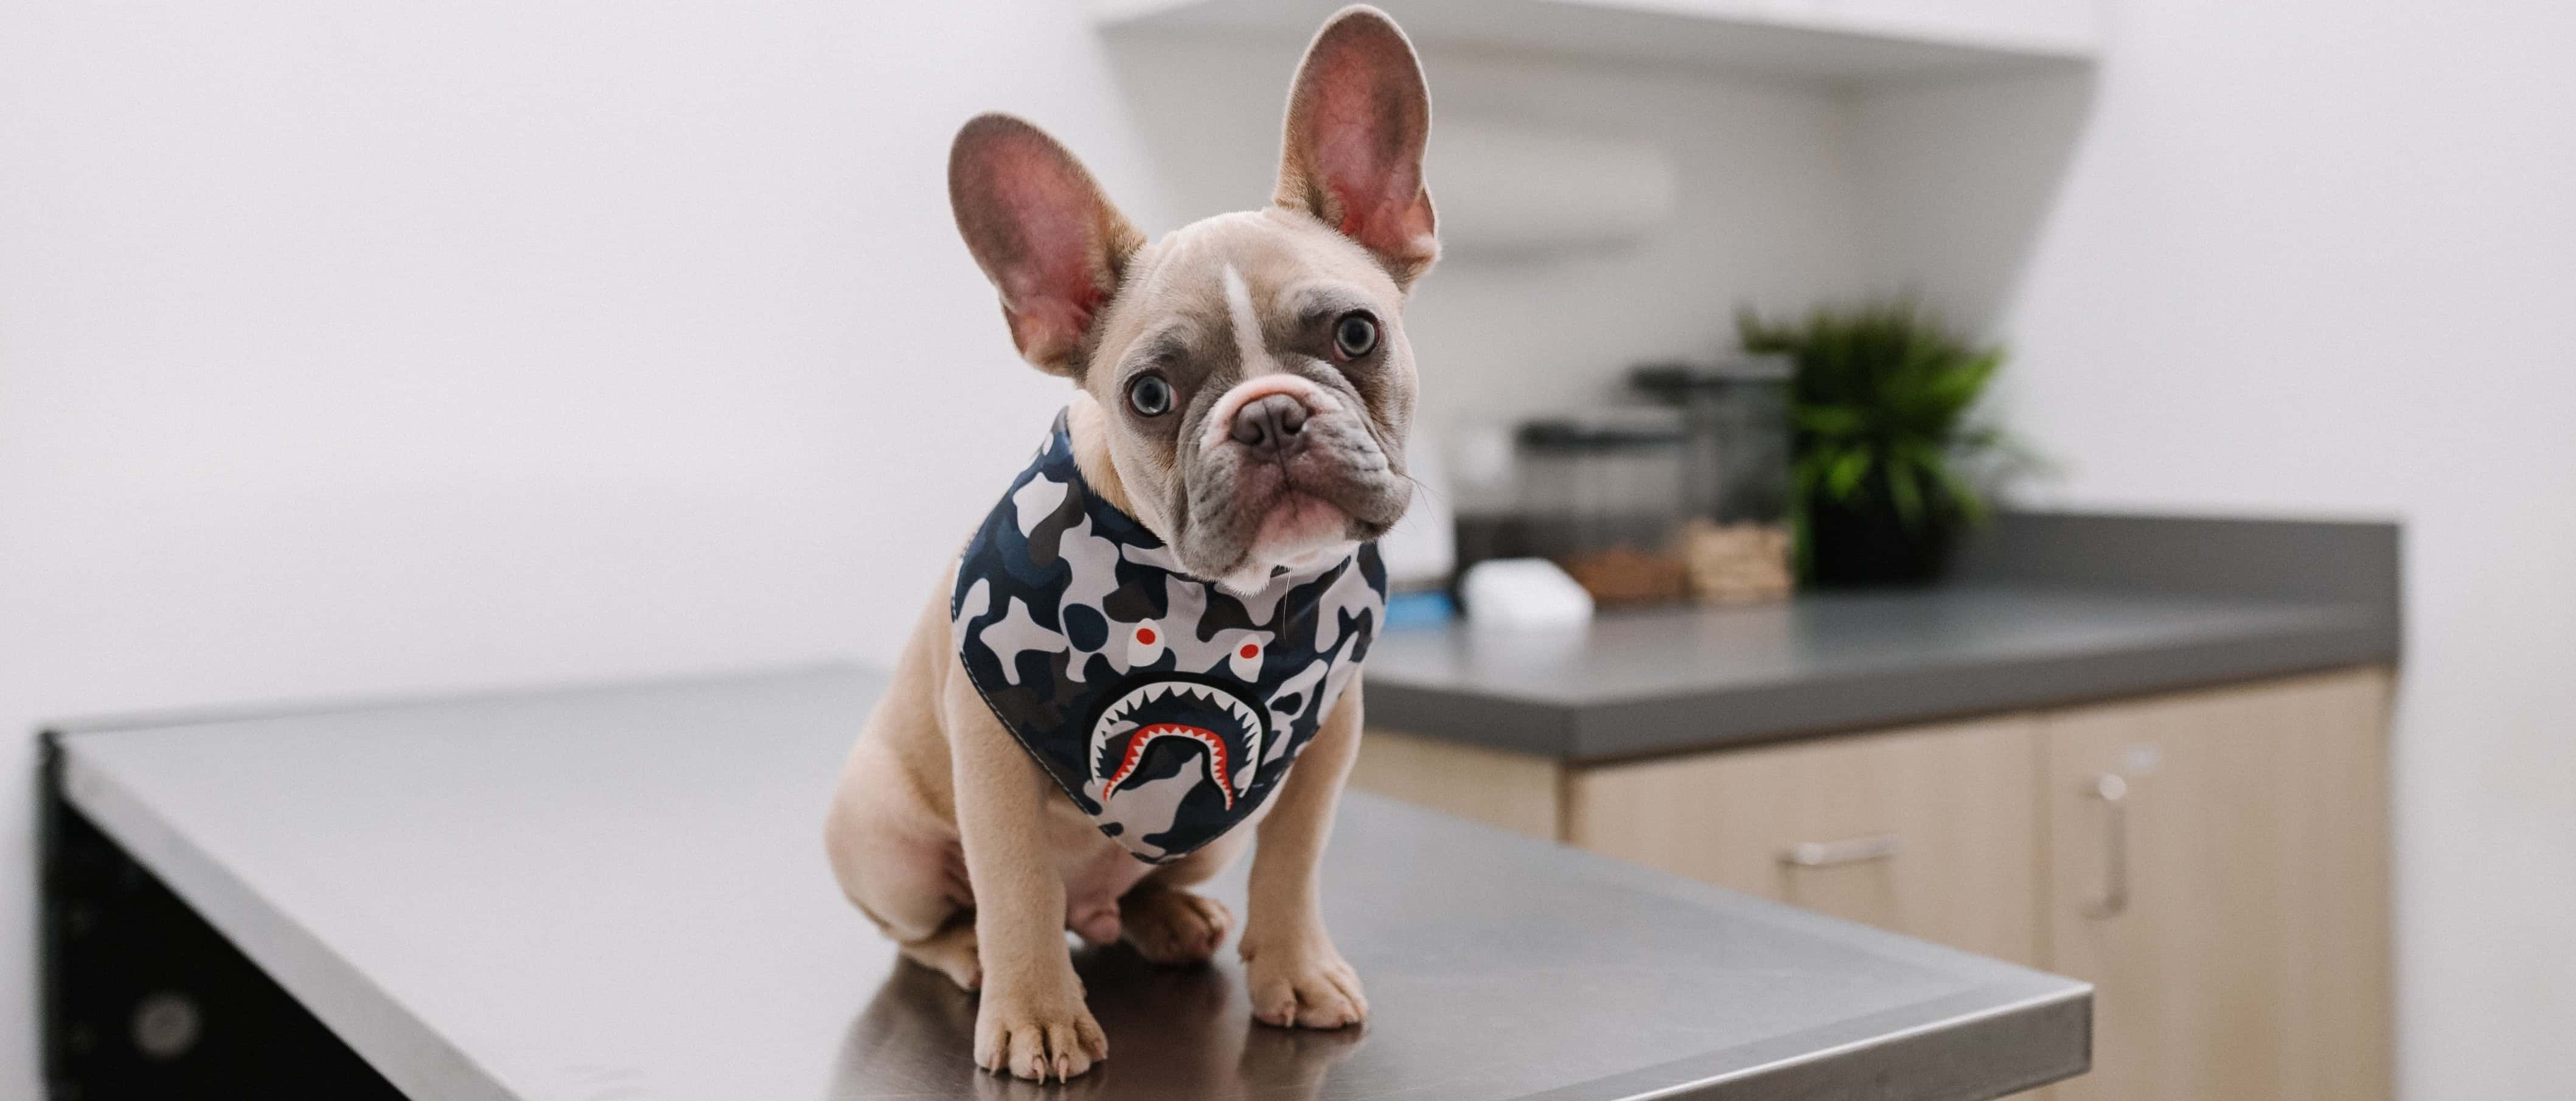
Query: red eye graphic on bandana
point(1214, 735)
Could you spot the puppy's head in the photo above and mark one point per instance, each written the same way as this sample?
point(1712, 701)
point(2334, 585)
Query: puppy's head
point(1249, 373)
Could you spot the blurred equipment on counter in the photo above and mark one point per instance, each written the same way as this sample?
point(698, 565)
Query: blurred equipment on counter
point(1741, 563)
point(1421, 550)
point(1626, 575)
point(1603, 493)
point(1419, 609)
point(1734, 543)
point(1523, 592)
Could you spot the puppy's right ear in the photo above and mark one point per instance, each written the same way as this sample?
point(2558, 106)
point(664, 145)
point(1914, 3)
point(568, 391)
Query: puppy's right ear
point(1043, 233)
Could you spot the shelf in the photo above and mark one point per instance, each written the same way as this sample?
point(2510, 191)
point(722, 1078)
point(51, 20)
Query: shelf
point(1842, 40)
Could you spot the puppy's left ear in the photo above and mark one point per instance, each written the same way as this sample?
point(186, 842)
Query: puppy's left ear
point(1043, 233)
point(1358, 116)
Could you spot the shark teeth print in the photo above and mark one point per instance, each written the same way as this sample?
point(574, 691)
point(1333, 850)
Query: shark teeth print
point(1128, 703)
point(1126, 713)
point(1218, 771)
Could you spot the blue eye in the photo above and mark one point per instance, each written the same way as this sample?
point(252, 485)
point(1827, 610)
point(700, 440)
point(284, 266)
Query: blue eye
point(1150, 395)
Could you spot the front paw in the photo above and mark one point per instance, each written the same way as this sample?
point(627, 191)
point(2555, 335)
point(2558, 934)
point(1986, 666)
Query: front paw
point(1302, 982)
point(1038, 1033)
point(1171, 926)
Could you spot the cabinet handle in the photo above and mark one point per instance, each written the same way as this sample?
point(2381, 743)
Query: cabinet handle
point(2113, 791)
point(1850, 850)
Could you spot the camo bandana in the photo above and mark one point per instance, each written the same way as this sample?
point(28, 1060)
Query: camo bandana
point(1166, 707)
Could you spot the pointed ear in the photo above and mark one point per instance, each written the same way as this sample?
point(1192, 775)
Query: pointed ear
point(1043, 233)
point(1358, 116)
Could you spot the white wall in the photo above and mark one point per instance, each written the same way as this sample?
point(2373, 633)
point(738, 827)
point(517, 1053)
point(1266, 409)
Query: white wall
point(2320, 257)
point(465, 344)
point(494, 343)
point(460, 344)
point(1763, 210)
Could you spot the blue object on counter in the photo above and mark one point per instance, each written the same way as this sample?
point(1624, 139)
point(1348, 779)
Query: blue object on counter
point(1428, 609)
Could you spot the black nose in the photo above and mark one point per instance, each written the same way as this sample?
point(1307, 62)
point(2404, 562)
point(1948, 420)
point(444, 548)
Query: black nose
point(1269, 426)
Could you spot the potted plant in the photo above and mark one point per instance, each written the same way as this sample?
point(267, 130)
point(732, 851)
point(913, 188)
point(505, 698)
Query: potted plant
point(1882, 450)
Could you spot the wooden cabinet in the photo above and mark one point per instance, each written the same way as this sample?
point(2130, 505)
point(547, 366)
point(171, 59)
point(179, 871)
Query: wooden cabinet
point(2231, 908)
point(1511, 790)
point(1919, 831)
point(2215, 862)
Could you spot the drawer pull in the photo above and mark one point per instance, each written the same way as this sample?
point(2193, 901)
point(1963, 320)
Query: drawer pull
point(2113, 791)
point(1850, 850)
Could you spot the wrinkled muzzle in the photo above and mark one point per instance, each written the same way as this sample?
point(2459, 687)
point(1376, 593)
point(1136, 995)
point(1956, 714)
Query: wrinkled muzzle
point(1284, 468)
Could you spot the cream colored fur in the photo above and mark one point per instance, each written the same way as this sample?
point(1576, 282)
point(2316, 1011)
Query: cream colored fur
point(943, 830)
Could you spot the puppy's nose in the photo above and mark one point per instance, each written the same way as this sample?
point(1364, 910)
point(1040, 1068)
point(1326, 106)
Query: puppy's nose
point(1270, 426)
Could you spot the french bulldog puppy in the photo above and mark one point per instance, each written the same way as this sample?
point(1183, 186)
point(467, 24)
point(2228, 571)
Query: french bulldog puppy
point(1169, 607)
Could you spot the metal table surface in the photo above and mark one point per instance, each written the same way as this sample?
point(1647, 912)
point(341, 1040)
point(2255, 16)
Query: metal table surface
point(620, 893)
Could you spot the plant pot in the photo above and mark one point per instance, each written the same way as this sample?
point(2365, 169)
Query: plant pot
point(1864, 544)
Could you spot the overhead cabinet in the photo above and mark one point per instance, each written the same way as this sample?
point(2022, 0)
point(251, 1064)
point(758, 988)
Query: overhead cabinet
point(1854, 40)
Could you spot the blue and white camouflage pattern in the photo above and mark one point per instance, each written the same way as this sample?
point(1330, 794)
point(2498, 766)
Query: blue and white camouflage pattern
point(1166, 707)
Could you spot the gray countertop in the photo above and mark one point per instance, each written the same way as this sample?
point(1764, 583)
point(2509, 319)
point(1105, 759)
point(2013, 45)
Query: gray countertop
point(621, 893)
point(1639, 683)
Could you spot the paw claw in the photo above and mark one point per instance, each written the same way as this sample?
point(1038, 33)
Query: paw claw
point(1038, 1038)
point(1304, 985)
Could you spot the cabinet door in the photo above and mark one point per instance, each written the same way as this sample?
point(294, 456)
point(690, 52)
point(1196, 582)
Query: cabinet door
point(1927, 831)
point(1512, 790)
point(2230, 899)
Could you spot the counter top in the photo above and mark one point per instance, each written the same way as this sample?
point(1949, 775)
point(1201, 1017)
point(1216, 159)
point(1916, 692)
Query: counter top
point(2058, 609)
point(621, 892)
point(1640, 683)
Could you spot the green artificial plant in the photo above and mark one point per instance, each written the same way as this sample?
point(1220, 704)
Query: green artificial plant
point(1883, 450)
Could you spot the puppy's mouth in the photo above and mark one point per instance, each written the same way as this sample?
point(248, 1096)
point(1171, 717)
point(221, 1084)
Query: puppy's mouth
point(1303, 508)
point(1298, 519)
